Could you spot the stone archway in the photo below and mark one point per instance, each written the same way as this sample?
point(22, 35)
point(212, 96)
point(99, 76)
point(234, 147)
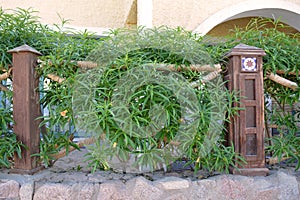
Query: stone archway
point(288, 13)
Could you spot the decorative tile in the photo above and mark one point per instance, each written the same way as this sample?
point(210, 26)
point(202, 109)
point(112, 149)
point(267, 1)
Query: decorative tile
point(249, 64)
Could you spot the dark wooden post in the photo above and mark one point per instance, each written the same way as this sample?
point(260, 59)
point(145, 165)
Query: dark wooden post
point(26, 107)
point(246, 130)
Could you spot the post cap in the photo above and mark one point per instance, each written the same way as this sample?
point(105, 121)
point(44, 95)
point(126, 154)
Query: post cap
point(24, 48)
point(243, 49)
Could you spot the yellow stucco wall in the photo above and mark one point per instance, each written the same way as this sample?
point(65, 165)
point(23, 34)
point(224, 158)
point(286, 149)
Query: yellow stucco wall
point(188, 13)
point(198, 15)
point(81, 13)
point(191, 13)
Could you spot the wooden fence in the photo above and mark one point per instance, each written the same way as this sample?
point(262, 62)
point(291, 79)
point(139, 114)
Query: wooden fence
point(244, 73)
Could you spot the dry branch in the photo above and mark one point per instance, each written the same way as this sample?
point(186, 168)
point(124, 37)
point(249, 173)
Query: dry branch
point(55, 78)
point(207, 68)
point(215, 70)
point(290, 73)
point(80, 144)
point(211, 75)
point(282, 81)
point(86, 64)
point(81, 64)
point(272, 161)
point(5, 75)
point(208, 77)
point(41, 63)
point(195, 68)
point(171, 67)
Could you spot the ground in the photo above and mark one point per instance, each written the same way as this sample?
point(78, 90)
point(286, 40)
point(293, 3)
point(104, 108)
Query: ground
point(74, 168)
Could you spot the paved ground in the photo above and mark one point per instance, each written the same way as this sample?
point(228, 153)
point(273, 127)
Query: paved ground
point(74, 167)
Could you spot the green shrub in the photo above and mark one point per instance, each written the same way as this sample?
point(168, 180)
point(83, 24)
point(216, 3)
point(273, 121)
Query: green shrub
point(123, 51)
point(9, 146)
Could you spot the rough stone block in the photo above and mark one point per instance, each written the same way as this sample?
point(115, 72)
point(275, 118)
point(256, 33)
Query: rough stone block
point(172, 183)
point(178, 196)
point(288, 187)
point(141, 188)
point(84, 191)
point(9, 189)
point(53, 191)
point(235, 187)
point(201, 188)
point(26, 191)
point(113, 190)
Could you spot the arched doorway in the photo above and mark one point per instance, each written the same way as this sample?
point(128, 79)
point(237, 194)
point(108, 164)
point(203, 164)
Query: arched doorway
point(287, 12)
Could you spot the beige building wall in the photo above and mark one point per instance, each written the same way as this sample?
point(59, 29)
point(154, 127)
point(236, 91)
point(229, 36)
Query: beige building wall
point(188, 13)
point(203, 16)
point(197, 15)
point(96, 15)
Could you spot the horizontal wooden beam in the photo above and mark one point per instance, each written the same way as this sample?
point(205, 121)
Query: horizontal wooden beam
point(195, 68)
point(208, 77)
point(215, 69)
point(86, 64)
point(284, 72)
point(172, 67)
point(275, 160)
point(55, 78)
point(282, 81)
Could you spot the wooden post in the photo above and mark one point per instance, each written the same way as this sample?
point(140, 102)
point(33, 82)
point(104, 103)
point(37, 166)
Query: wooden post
point(246, 130)
point(26, 107)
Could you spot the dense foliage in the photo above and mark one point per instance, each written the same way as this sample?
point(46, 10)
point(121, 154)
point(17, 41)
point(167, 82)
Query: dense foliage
point(130, 54)
point(118, 54)
point(60, 50)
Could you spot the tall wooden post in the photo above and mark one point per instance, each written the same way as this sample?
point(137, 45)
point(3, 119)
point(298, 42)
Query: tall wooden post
point(246, 130)
point(26, 107)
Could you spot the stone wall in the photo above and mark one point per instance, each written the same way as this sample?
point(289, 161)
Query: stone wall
point(279, 185)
